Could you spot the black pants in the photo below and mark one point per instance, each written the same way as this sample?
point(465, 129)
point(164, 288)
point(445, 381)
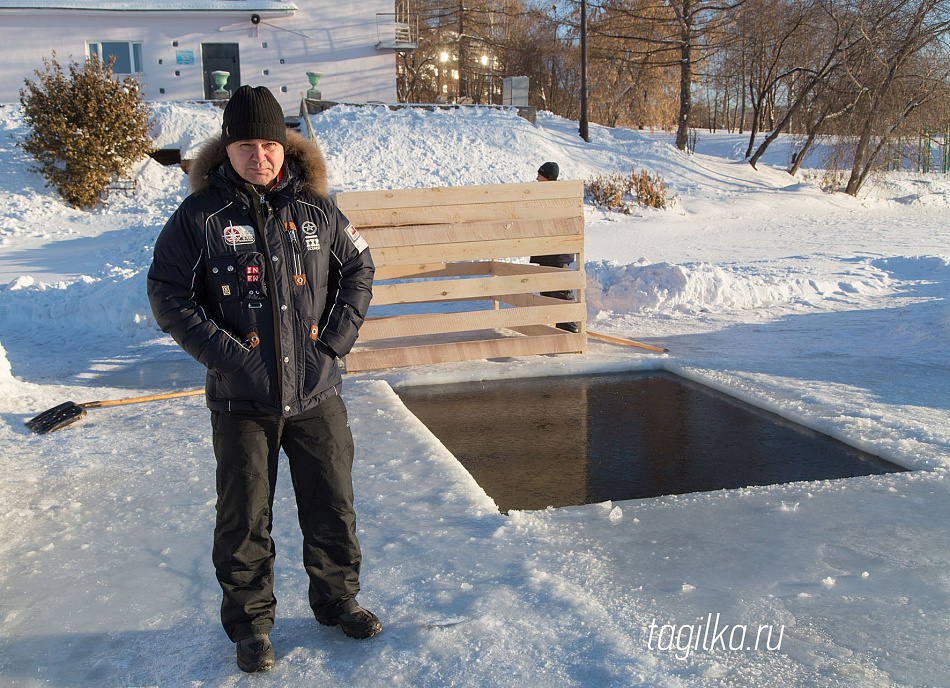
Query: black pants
point(558, 261)
point(319, 446)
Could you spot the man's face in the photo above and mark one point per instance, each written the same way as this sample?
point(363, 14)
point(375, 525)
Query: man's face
point(256, 160)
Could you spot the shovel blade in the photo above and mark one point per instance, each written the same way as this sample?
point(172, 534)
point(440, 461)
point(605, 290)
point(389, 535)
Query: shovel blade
point(56, 418)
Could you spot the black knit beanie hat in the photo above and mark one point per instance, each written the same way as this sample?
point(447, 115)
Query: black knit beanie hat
point(549, 171)
point(253, 113)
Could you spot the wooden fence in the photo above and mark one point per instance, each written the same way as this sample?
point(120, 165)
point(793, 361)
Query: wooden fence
point(449, 283)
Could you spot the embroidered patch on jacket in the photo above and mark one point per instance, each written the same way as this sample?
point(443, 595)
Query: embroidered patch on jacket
point(358, 241)
point(253, 273)
point(238, 234)
point(312, 243)
point(309, 227)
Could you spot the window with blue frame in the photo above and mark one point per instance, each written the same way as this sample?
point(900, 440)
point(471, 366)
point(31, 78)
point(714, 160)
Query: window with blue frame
point(128, 56)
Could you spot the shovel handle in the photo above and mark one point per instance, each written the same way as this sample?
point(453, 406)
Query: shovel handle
point(136, 400)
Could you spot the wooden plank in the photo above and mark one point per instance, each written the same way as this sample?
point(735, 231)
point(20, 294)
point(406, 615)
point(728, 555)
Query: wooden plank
point(501, 269)
point(459, 269)
point(528, 300)
point(378, 237)
point(474, 288)
point(372, 359)
point(477, 250)
point(536, 330)
point(437, 323)
point(432, 270)
point(552, 209)
point(627, 342)
point(458, 195)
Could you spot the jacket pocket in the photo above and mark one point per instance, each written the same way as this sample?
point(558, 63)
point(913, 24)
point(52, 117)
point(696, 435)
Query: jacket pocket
point(250, 382)
point(221, 284)
point(320, 366)
point(250, 268)
point(341, 329)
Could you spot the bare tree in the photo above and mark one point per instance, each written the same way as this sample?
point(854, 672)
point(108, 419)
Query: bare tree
point(630, 70)
point(834, 34)
point(897, 71)
point(827, 104)
point(677, 33)
point(765, 37)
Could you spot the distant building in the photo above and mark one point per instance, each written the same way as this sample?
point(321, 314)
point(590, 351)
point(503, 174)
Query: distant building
point(174, 46)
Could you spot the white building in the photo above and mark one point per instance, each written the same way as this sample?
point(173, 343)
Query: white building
point(173, 46)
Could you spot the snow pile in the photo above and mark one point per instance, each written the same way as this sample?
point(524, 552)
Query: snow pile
point(184, 127)
point(115, 303)
point(933, 269)
point(663, 287)
point(377, 148)
point(6, 375)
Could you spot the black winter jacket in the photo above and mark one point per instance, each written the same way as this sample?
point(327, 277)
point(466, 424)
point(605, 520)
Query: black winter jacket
point(265, 291)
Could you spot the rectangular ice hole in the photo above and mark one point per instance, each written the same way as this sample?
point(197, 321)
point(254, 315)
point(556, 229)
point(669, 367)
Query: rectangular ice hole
point(531, 443)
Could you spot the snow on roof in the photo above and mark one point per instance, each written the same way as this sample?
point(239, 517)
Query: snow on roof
point(152, 5)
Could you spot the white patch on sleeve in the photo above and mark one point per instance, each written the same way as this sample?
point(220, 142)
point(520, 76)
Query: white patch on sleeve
point(358, 241)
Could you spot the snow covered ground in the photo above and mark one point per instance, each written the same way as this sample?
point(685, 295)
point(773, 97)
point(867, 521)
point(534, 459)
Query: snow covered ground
point(829, 310)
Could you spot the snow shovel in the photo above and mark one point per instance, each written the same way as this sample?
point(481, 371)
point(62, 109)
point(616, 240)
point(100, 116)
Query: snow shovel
point(69, 412)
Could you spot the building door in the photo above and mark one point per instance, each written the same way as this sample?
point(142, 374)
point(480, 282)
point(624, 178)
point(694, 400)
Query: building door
point(220, 57)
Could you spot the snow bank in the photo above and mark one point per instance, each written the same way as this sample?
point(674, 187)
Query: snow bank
point(5, 373)
point(666, 287)
point(184, 126)
point(116, 304)
point(931, 268)
point(12, 389)
point(377, 148)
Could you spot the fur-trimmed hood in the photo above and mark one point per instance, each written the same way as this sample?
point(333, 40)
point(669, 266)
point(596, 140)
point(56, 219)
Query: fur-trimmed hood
point(306, 156)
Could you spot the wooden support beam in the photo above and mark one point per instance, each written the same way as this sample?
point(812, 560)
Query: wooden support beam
point(436, 323)
point(432, 270)
point(369, 359)
point(549, 210)
point(477, 250)
point(474, 288)
point(349, 201)
point(479, 229)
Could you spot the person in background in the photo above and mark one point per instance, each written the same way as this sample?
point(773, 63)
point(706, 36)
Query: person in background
point(548, 172)
point(261, 278)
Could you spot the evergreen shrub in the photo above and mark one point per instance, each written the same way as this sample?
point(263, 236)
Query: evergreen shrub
point(86, 127)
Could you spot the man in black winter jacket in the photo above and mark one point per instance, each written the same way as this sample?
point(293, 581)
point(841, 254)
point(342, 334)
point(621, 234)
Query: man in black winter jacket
point(262, 279)
point(548, 172)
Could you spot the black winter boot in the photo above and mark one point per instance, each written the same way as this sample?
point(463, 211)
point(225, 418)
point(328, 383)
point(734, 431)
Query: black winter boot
point(358, 623)
point(255, 653)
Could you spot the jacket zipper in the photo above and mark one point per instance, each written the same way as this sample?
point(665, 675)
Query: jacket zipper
point(259, 208)
point(300, 278)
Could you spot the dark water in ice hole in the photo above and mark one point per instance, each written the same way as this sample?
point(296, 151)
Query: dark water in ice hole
point(560, 441)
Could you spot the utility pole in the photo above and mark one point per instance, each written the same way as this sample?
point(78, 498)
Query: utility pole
point(583, 123)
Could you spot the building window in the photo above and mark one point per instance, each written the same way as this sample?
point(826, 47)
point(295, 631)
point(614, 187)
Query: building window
point(128, 56)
